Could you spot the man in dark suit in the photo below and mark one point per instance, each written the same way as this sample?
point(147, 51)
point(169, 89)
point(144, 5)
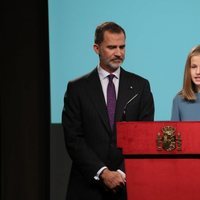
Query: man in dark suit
point(89, 115)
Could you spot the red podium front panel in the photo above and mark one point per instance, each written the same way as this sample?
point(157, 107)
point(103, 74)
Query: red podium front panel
point(155, 172)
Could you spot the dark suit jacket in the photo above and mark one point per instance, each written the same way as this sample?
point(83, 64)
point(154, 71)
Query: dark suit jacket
point(89, 139)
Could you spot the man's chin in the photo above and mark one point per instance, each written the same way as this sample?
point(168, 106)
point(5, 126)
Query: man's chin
point(116, 65)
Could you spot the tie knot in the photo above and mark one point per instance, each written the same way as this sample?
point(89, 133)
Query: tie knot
point(111, 76)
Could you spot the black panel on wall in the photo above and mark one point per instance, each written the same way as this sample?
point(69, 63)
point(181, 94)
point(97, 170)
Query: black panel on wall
point(25, 107)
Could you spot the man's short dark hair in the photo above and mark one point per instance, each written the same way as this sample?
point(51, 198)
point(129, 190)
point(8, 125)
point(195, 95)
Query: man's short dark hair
point(107, 26)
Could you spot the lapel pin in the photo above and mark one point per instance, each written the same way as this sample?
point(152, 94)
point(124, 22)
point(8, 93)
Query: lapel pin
point(131, 87)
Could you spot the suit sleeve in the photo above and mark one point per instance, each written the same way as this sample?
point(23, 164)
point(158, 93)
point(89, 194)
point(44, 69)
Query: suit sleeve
point(81, 154)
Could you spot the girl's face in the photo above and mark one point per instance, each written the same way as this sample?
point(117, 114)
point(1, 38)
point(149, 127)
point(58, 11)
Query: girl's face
point(195, 70)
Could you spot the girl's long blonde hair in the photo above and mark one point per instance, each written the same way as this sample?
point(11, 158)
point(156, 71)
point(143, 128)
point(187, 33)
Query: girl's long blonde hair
point(189, 88)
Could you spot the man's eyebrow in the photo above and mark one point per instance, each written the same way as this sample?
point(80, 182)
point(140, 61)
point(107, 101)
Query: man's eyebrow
point(111, 46)
point(116, 45)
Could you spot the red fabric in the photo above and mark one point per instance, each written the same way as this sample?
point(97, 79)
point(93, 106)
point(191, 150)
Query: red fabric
point(162, 177)
point(140, 137)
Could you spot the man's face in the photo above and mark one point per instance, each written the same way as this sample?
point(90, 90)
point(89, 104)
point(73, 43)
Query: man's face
point(111, 51)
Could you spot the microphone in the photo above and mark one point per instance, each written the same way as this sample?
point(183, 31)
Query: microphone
point(126, 105)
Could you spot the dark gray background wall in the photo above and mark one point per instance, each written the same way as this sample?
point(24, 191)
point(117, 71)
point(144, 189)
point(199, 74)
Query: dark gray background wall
point(60, 164)
point(25, 104)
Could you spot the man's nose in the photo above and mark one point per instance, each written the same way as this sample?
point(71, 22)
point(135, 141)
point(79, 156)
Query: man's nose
point(118, 52)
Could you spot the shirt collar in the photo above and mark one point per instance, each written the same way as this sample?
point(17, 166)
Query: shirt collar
point(103, 73)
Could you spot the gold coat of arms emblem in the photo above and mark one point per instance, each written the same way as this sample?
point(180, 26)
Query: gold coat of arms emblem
point(168, 139)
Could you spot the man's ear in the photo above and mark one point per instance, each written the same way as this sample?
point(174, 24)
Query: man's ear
point(96, 48)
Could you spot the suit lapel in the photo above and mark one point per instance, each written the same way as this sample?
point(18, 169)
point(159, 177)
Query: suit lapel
point(95, 93)
point(125, 93)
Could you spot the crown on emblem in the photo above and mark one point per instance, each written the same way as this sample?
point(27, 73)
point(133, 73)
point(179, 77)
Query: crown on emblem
point(168, 129)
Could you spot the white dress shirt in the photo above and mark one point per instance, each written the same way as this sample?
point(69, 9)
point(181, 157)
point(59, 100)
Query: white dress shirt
point(103, 75)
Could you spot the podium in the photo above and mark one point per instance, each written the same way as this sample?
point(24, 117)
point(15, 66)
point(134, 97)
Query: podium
point(162, 159)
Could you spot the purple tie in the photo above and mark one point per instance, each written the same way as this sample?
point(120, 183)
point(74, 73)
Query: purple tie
point(111, 99)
